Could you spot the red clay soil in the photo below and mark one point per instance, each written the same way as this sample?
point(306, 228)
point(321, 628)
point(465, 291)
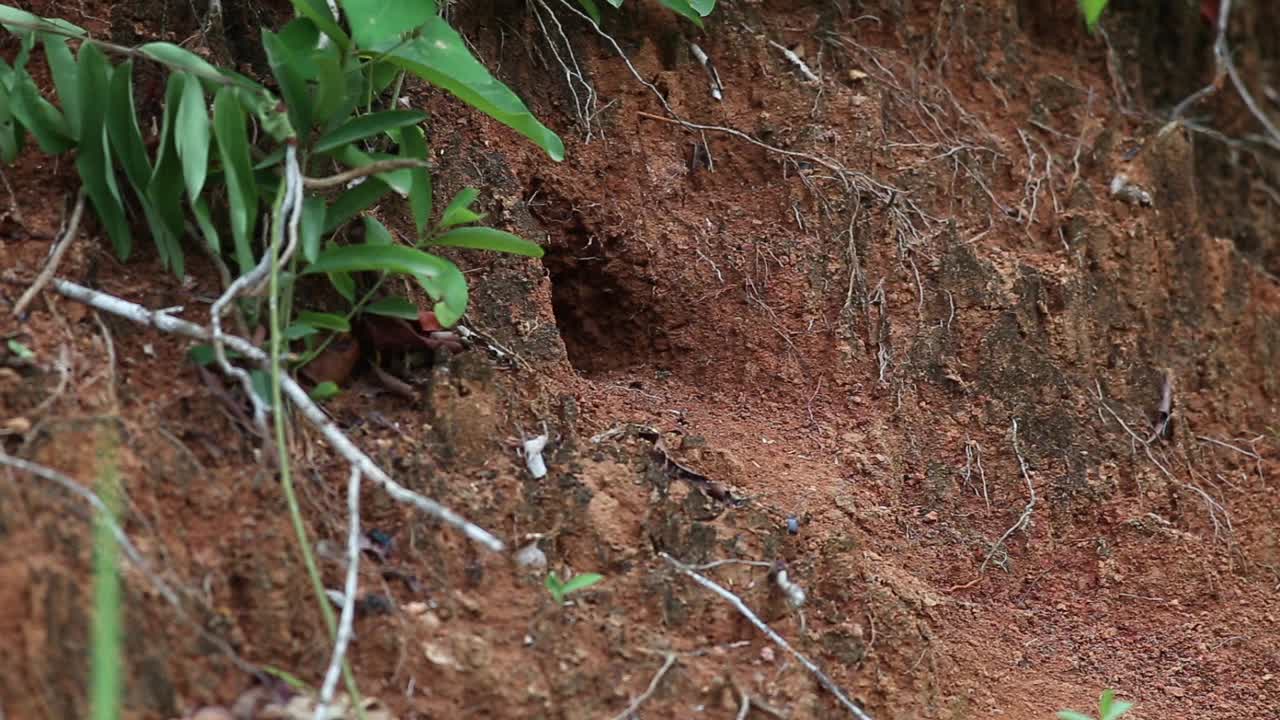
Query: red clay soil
point(917, 323)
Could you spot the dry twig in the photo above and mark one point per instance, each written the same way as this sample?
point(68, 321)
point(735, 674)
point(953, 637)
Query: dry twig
point(349, 591)
point(296, 394)
point(55, 257)
point(1215, 508)
point(823, 679)
point(653, 686)
point(1224, 68)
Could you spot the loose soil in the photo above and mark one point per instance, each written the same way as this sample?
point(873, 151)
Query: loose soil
point(943, 365)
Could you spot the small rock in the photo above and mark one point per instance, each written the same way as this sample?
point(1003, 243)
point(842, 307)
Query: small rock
point(793, 526)
point(531, 556)
point(931, 516)
point(1174, 690)
point(17, 426)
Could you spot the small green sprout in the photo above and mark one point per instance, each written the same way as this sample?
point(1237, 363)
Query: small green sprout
point(1108, 708)
point(20, 351)
point(559, 589)
point(1092, 11)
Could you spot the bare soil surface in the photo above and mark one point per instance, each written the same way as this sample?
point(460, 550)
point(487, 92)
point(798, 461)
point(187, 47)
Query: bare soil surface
point(898, 309)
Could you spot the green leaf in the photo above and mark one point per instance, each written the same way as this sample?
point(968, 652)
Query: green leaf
point(93, 159)
point(299, 36)
point(372, 257)
point(440, 278)
point(325, 321)
point(233, 147)
point(381, 75)
point(10, 131)
point(459, 211)
point(351, 156)
point(555, 587)
point(260, 380)
point(1072, 715)
point(684, 8)
point(362, 126)
point(22, 352)
point(62, 65)
point(1120, 707)
point(703, 7)
point(312, 224)
point(412, 145)
point(449, 290)
point(581, 582)
point(393, 306)
point(615, 3)
point(200, 209)
point(440, 57)
point(203, 355)
point(318, 12)
point(483, 238)
point(123, 130)
point(297, 331)
point(191, 136)
point(353, 202)
point(344, 284)
point(373, 21)
point(176, 57)
point(39, 116)
point(593, 10)
point(324, 391)
point(1104, 701)
point(335, 98)
point(375, 233)
point(1092, 11)
point(9, 16)
point(167, 244)
point(285, 66)
point(165, 188)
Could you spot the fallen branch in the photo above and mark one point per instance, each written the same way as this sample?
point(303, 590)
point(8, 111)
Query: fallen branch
point(312, 412)
point(55, 257)
point(823, 679)
point(348, 597)
point(795, 59)
point(717, 88)
point(653, 685)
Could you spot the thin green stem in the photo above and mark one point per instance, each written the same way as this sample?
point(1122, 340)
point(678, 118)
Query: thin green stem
point(282, 448)
point(106, 636)
point(355, 309)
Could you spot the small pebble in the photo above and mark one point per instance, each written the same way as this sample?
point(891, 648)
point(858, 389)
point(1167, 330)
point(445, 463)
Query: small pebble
point(793, 526)
point(531, 556)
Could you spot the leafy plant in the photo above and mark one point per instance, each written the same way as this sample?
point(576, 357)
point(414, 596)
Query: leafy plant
point(1092, 11)
point(221, 154)
point(1108, 708)
point(693, 10)
point(559, 589)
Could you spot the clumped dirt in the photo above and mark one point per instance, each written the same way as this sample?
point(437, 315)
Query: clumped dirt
point(942, 370)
